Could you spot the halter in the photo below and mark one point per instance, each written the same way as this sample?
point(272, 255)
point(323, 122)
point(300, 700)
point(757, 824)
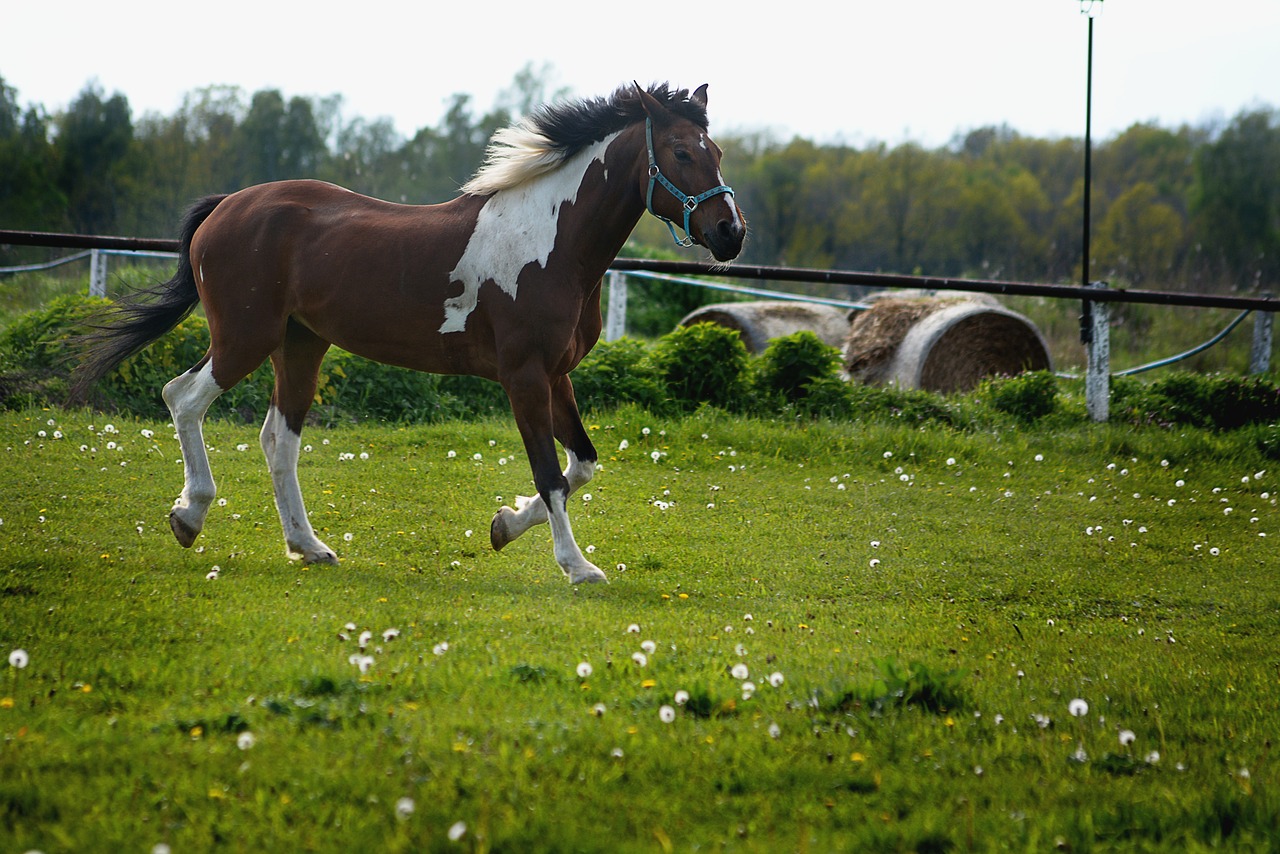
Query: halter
point(689, 203)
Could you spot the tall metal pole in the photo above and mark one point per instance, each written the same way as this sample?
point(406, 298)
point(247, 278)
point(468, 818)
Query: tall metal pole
point(1086, 319)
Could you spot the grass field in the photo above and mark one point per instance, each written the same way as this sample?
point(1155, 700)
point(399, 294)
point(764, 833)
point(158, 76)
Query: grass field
point(816, 637)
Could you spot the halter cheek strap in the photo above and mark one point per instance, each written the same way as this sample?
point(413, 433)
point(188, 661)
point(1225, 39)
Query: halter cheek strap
point(689, 203)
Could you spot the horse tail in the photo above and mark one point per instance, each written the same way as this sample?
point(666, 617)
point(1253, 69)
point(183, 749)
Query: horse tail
point(126, 328)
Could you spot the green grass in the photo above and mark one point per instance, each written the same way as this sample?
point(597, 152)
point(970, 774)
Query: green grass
point(933, 601)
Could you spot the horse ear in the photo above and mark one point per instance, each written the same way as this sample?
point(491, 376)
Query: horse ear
point(699, 96)
point(652, 106)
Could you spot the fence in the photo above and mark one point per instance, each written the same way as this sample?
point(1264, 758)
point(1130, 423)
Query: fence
point(1096, 336)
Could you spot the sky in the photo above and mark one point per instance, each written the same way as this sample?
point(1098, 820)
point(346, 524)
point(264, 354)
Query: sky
point(855, 72)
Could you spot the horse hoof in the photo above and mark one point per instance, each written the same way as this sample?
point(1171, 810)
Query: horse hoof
point(499, 532)
point(320, 557)
point(185, 534)
point(590, 574)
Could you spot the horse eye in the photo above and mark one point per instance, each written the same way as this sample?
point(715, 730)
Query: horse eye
point(682, 156)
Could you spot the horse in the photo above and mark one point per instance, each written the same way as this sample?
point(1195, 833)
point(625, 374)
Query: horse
point(503, 282)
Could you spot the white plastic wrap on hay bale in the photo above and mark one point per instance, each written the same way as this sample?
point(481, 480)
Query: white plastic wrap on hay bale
point(942, 345)
point(758, 322)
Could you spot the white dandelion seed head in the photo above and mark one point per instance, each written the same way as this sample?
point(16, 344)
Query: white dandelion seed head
point(776, 679)
point(245, 740)
point(666, 714)
point(365, 637)
point(633, 629)
point(739, 671)
point(457, 830)
point(681, 697)
point(1153, 757)
point(405, 808)
point(775, 731)
point(584, 669)
point(649, 647)
point(1127, 737)
point(19, 658)
point(640, 659)
point(1078, 708)
point(623, 445)
point(390, 634)
point(598, 710)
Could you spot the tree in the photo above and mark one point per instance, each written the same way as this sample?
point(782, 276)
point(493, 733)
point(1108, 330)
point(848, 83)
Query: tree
point(29, 196)
point(1139, 238)
point(92, 141)
point(1236, 201)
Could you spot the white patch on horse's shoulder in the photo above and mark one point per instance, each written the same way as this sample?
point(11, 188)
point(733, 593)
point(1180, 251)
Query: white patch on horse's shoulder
point(516, 227)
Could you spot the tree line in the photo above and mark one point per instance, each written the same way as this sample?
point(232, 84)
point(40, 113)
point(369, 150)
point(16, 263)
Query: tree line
point(1191, 207)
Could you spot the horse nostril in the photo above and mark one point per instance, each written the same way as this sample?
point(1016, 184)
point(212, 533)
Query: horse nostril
point(729, 230)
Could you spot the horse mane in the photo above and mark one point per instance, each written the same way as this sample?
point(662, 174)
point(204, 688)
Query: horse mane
point(554, 133)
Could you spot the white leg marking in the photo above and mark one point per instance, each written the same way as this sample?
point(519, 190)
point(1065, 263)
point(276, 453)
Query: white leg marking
point(280, 446)
point(568, 555)
point(188, 397)
point(533, 511)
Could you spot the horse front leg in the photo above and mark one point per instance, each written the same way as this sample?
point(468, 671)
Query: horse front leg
point(509, 523)
point(532, 404)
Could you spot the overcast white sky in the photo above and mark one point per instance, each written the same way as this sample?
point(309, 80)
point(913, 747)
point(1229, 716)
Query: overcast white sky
point(918, 70)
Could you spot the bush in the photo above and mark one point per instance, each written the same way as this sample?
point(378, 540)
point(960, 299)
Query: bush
point(1221, 401)
point(790, 364)
point(1027, 397)
point(703, 363)
point(615, 373)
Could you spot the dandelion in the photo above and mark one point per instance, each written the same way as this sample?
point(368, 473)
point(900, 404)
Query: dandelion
point(404, 808)
point(617, 753)
point(390, 634)
point(440, 648)
point(598, 710)
point(451, 455)
point(640, 659)
point(666, 714)
point(951, 461)
point(739, 671)
point(1040, 459)
point(1127, 737)
point(245, 740)
point(19, 658)
point(681, 697)
point(633, 629)
point(1153, 757)
point(477, 456)
point(655, 456)
point(775, 731)
point(748, 689)
point(348, 537)
point(457, 831)
point(649, 647)
point(212, 575)
point(1078, 708)
point(875, 561)
point(623, 445)
point(775, 679)
point(364, 455)
point(875, 544)
point(584, 670)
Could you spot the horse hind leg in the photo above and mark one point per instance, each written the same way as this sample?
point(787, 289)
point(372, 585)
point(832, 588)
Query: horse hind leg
point(188, 397)
point(297, 365)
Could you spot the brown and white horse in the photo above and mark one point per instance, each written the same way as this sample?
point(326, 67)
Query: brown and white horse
point(502, 282)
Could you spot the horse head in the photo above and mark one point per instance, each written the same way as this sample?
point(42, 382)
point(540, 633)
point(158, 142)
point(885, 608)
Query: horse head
point(683, 184)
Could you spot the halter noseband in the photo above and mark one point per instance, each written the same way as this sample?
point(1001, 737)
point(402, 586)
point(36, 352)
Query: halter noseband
point(689, 203)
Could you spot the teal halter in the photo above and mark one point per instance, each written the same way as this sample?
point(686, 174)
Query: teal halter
point(689, 203)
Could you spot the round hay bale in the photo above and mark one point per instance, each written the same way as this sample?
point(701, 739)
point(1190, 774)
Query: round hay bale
point(758, 322)
point(941, 345)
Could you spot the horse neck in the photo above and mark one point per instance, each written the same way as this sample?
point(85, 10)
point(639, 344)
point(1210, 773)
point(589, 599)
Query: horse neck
point(608, 204)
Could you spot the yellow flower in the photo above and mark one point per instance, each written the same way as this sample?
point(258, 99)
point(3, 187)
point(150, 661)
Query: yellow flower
point(6, 702)
point(857, 757)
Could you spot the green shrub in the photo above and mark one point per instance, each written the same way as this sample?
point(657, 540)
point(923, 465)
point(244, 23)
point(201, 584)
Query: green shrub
point(703, 363)
point(1027, 397)
point(790, 364)
point(1221, 401)
point(615, 373)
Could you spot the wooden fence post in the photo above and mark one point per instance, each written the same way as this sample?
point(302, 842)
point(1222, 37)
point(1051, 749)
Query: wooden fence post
point(97, 273)
point(616, 318)
point(1097, 378)
point(1260, 353)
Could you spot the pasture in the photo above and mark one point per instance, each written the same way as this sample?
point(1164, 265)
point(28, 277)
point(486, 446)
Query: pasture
point(816, 637)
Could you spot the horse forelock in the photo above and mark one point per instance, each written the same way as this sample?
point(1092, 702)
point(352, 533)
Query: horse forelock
point(553, 133)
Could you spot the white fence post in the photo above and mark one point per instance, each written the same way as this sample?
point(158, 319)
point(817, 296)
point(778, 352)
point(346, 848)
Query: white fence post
point(97, 273)
point(1260, 354)
point(1097, 378)
point(616, 319)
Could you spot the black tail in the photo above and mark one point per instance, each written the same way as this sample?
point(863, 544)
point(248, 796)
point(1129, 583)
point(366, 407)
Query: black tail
point(131, 324)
